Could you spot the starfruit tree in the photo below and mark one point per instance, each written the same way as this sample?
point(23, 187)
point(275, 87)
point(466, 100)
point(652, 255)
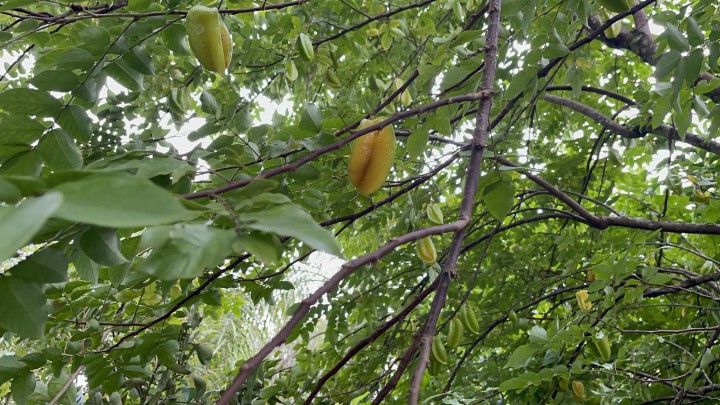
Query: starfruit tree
point(346, 201)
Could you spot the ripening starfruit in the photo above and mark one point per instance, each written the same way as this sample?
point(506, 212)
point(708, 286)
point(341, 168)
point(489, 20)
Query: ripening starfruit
point(426, 250)
point(583, 300)
point(371, 158)
point(578, 389)
point(209, 38)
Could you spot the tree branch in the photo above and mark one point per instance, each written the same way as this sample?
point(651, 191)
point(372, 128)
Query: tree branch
point(603, 222)
point(466, 206)
point(304, 306)
point(337, 145)
point(636, 132)
point(369, 339)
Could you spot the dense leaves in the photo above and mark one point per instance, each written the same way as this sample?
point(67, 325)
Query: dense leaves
point(161, 223)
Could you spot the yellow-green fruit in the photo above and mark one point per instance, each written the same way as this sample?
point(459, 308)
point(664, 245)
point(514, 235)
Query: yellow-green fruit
point(562, 384)
point(204, 354)
point(438, 352)
point(209, 38)
point(604, 348)
point(434, 367)
point(227, 43)
point(455, 332)
point(371, 158)
point(590, 276)
point(434, 213)
point(406, 98)
point(583, 300)
point(578, 390)
point(467, 316)
point(701, 196)
point(426, 250)
point(616, 6)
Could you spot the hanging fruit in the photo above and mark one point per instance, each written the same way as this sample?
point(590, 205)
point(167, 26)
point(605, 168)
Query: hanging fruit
point(426, 250)
point(371, 158)
point(209, 38)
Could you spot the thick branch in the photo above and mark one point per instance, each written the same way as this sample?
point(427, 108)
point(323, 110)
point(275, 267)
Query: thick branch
point(635, 132)
point(369, 339)
point(337, 145)
point(466, 206)
point(304, 307)
point(371, 19)
point(603, 222)
point(689, 283)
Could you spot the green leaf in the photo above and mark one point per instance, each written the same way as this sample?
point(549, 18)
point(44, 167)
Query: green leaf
point(67, 58)
point(519, 82)
point(695, 34)
point(119, 200)
point(56, 80)
point(498, 198)
point(693, 66)
point(519, 383)
point(311, 118)
point(75, 121)
point(417, 141)
point(27, 163)
point(440, 123)
point(102, 246)
point(521, 356)
point(29, 102)
point(183, 251)
point(19, 129)
point(538, 334)
point(19, 224)
point(167, 352)
point(139, 60)
point(125, 75)
point(306, 47)
point(666, 64)
point(86, 268)
point(209, 104)
point(263, 246)
point(9, 193)
point(60, 152)
point(22, 307)
point(291, 220)
point(175, 38)
point(675, 38)
point(22, 386)
point(11, 365)
point(45, 266)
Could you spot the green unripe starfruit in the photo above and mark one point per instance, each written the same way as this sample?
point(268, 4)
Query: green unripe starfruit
point(455, 333)
point(434, 213)
point(209, 38)
point(438, 352)
point(467, 316)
